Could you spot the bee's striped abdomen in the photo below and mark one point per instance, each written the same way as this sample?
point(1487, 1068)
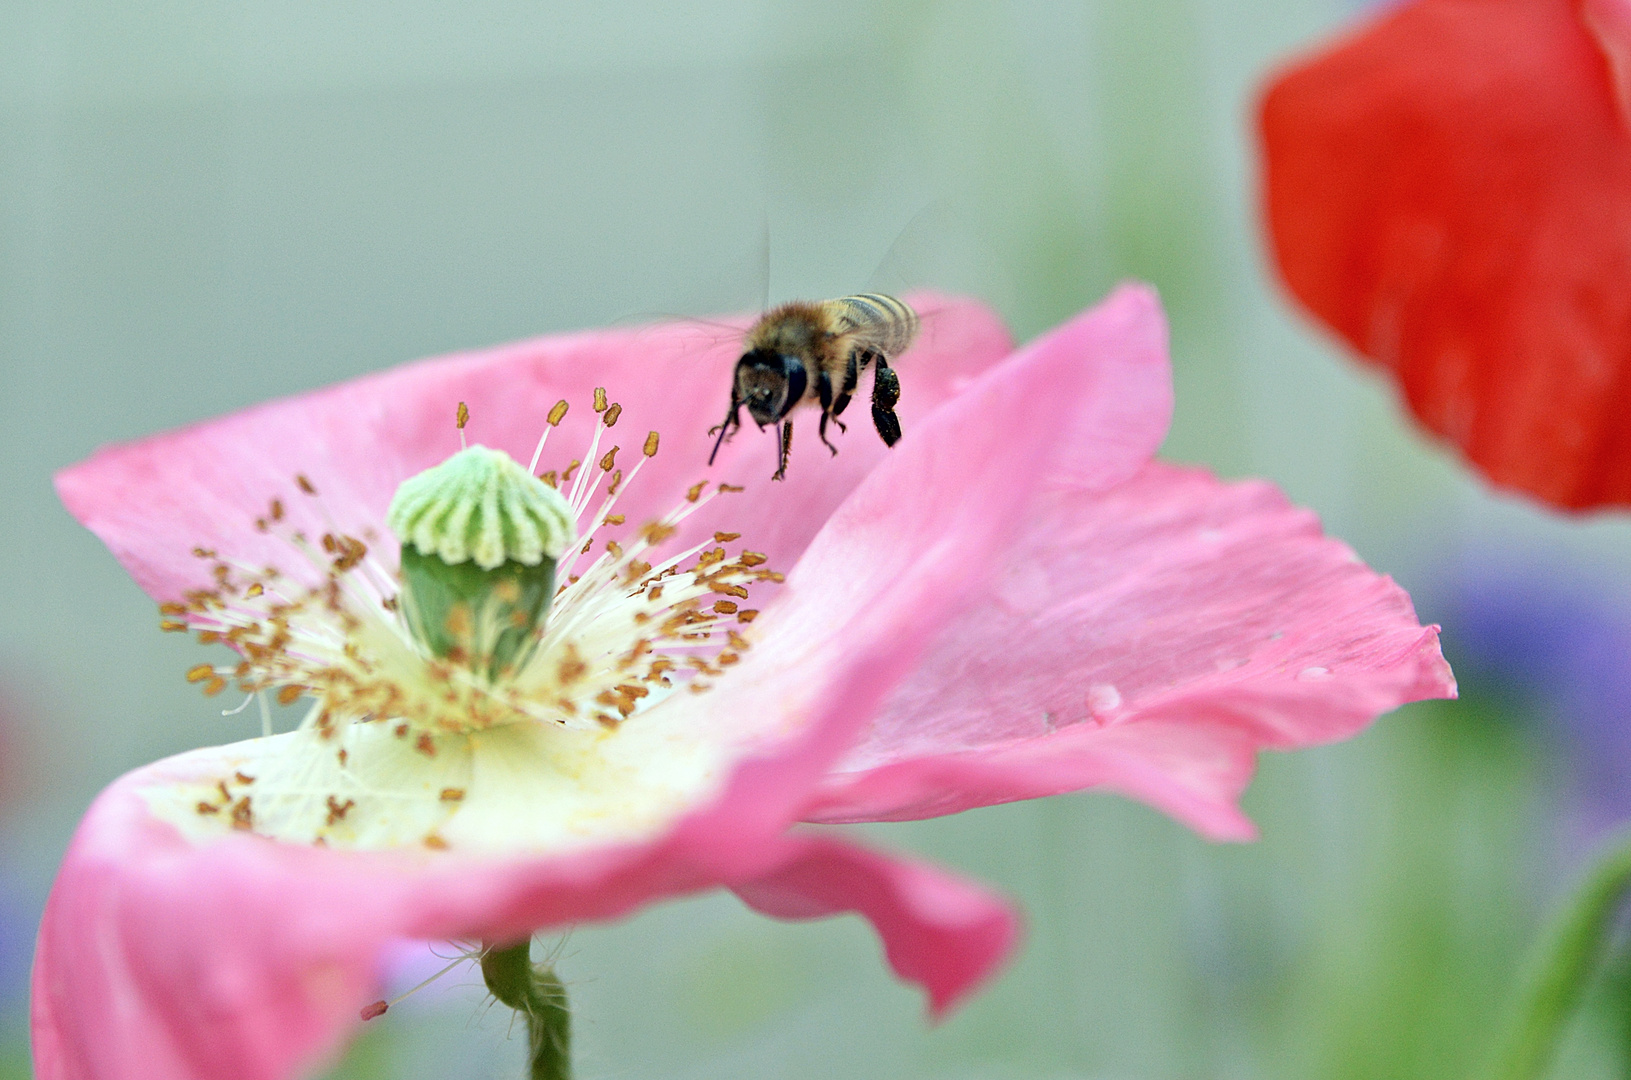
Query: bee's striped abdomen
point(880, 322)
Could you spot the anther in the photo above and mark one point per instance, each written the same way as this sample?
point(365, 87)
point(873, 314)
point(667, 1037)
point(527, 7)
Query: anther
point(337, 810)
point(695, 491)
point(609, 459)
point(303, 484)
point(600, 399)
point(650, 449)
point(612, 413)
point(557, 413)
point(462, 416)
point(725, 537)
point(656, 532)
point(731, 487)
point(200, 672)
point(725, 607)
point(613, 519)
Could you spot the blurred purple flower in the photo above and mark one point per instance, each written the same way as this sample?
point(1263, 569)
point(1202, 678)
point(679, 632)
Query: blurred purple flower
point(1560, 637)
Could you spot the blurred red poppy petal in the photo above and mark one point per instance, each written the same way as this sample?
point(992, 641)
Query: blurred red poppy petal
point(1450, 191)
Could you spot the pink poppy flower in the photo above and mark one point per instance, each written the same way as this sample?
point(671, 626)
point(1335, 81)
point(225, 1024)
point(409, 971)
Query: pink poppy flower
point(1013, 601)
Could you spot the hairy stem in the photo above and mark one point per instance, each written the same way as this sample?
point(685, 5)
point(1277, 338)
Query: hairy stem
point(534, 991)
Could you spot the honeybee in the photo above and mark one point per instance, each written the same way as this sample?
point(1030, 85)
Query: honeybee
point(817, 351)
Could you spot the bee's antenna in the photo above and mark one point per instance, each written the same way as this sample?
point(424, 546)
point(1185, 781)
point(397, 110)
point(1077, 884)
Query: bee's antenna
point(764, 265)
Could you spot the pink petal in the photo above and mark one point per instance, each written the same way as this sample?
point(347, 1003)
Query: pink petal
point(939, 931)
point(250, 960)
point(155, 500)
point(1149, 639)
point(1086, 402)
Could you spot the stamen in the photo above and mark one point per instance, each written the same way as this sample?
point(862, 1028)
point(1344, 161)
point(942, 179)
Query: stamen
point(557, 413)
point(379, 1008)
point(621, 632)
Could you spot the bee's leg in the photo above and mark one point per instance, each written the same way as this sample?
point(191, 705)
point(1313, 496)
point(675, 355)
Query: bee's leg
point(885, 393)
point(852, 379)
point(727, 427)
point(822, 431)
point(824, 392)
point(787, 445)
point(840, 402)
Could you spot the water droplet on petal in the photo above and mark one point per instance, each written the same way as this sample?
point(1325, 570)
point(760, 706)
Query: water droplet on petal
point(1103, 699)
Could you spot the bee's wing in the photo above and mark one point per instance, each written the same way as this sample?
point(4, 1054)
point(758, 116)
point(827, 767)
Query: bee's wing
point(724, 332)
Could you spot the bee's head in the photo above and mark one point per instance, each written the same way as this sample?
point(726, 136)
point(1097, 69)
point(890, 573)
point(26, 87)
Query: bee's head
point(769, 384)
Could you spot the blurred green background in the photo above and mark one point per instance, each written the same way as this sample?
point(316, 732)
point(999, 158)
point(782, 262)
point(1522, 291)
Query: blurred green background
point(205, 205)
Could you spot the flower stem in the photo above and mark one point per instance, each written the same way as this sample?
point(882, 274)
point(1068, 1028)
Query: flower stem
point(1563, 964)
point(534, 991)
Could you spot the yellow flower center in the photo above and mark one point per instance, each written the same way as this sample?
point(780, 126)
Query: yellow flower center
point(400, 715)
